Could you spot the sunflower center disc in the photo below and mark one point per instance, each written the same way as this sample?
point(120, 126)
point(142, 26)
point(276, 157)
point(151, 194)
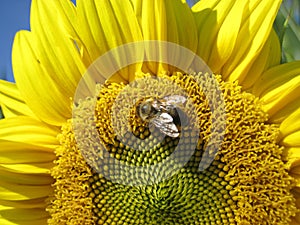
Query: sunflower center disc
point(236, 184)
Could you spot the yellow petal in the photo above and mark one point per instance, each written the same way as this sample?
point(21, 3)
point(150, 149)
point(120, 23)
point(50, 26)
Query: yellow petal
point(205, 13)
point(11, 101)
point(12, 191)
point(33, 168)
point(170, 21)
point(244, 27)
point(28, 130)
point(19, 152)
point(14, 214)
point(46, 62)
point(25, 204)
point(278, 87)
point(291, 156)
point(26, 157)
point(276, 76)
point(294, 162)
point(30, 173)
point(104, 25)
point(25, 179)
point(256, 26)
point(291, 140)
point(33, 222)
point(60, 39)
point(291, 124)
point(281, 95)
point(274, 51)
point(270, 56)
point(283, 113)
point(214, 19)
point(41, 92)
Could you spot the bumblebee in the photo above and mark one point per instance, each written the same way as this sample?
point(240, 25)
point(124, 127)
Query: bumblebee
point(163, 113)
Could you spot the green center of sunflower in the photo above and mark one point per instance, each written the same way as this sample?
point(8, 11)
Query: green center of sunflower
point(245, 183)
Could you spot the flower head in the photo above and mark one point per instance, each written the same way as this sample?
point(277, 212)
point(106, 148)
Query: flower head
point(217, 144)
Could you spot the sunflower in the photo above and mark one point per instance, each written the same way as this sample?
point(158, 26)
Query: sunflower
point(242, 102)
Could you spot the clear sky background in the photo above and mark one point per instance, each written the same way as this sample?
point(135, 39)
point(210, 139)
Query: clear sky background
point(14, 16)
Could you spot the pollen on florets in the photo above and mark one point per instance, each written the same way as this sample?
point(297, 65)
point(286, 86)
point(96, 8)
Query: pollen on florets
point(246, 183)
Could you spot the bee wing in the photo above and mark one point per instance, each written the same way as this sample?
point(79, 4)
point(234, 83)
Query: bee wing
point(175, 99)
point(165, 118)
point(164, 122)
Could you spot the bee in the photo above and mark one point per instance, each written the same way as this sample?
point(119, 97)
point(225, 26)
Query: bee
point(163, 113)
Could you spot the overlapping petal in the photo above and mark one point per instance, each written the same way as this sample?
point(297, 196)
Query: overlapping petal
point(292, 156)
point(14, 222)
point(29, 177)
point(290, 130)
point(170, 21)
point(104, 25)
point(279, 90)
point(26, 157)
point(270, 56)
point(27, 151)
point(28, 130)
point(25, 216)
point(11, 101)
point(215, 42)
point(232, 33)
point(12, 152)
point(46, 62)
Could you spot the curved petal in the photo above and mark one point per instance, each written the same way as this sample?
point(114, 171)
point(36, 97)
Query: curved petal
point(26, 204)
point(282, 114)
point(291, 140)
point(27, 151)
point(33, 168)
point(28, 130)
point(104, 25)
point(46, 62)
point(214, 19)
point(13, 176)
point(11, 101)
point(290, 125)
point(279, 90)
point(257, 24)
point(263, 62)
point(32, 222)
point(170, 21)
point(20, 152)
point(26, 157)
point(236, 31)
point(292, 156)
point(13, 191)
point(16, 215)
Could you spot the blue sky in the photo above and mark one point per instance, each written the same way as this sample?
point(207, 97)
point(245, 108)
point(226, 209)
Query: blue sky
point(14, 16)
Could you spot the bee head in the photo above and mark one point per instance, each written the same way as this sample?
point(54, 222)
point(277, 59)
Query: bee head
point(146, 109)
